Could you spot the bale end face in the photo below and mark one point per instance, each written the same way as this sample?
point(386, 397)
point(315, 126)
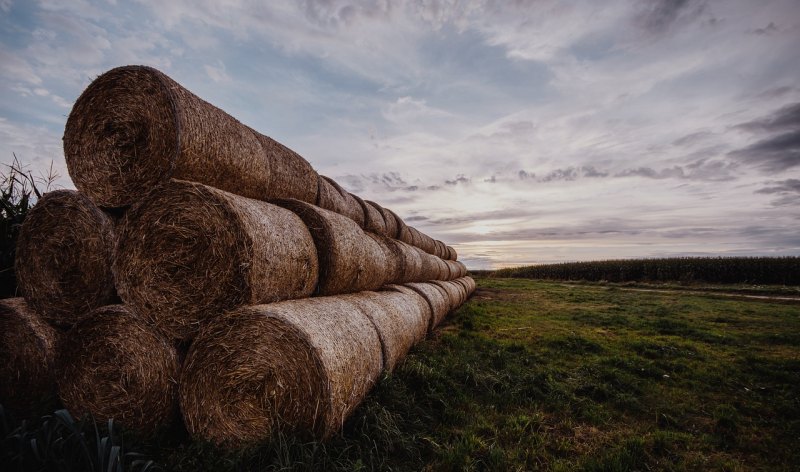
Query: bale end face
point(114, 366)
point(63, 258)
point(27, 358)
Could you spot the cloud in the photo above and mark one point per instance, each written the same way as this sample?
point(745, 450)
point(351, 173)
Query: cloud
point(461, 179)
point(786, 118)
point(656, 16)
point(787, 191)
point(773, 154)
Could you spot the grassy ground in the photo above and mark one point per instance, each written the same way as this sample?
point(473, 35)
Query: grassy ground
point(533, 375)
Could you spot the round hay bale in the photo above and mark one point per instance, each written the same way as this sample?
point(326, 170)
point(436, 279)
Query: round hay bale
point(389, 219)
point(404, 234)
point(452, 254)
point(462, 269)
point(134, 128)
point(393, 268)
point(408, 260)
point(336, 199)
point(471, 282)
point(455, 292)
point(63, 259)
point(401, 225)
point(443, 270)
point(400, 319)
point(373, 218)
point(436, 297)
point(113, 365)
point(190, 252)
point(430, 269)
point(465, 285)
point(300, 366)
point(27, 357)
point(349, 260)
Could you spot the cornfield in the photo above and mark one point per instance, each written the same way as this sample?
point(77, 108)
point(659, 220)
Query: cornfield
point(724, 270)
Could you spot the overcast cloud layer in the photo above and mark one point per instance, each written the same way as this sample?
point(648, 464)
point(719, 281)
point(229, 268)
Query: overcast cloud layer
point(520, 132)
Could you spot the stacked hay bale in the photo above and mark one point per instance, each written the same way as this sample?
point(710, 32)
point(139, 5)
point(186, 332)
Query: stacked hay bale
point(217, 270)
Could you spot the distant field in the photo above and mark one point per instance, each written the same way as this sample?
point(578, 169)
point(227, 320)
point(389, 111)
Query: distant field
point(717, 270)
point(537, 375)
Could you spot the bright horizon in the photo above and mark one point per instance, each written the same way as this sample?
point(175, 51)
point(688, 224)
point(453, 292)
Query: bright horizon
point(518, 132)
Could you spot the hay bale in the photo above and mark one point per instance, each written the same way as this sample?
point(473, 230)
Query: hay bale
point(300, 366)
point(373, 218)
point(470, 283)
point(456, 292)
point(462, 269)
point(190, 252)
point(27, 357)
point(452, 254)
point(134, 128)
point(113, 365)
point(408, 260)
point(349, 260)
point(465, 286)
point(443, 270)
point(404, 234)
point(439, 249)
point(401, 320)
point(436, 297)
point(401, 225)
point(63, 259)
point(393, 267)
point(389, 220)
point(336, 199)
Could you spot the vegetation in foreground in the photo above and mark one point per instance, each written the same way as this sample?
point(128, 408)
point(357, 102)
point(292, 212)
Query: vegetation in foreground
point(714, 270)
point(534, 375)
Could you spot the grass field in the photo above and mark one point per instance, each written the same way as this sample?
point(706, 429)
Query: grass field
point(533, 375)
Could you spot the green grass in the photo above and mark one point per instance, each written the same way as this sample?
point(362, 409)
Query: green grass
point(534, 375)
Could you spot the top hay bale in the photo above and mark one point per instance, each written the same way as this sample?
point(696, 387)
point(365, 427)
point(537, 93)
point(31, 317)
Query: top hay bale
point(63, 259)
point(336, 199)
point(190, 252)
point(134, 127)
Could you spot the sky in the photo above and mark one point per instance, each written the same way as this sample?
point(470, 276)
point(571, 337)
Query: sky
point(520, 132)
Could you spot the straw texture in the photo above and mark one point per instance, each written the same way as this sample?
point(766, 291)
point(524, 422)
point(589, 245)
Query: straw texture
point(401, 320)
point(134, 127)
point(373, 218)
point(27, 357)
point(300, 366)
point(437, 299)
point(114, 366)
point(389, 220)
point(349, 260)
point(190, 252)
point(63, 259)
point(336, 199)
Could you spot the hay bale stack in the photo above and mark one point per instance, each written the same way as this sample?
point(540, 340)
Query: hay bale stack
point(465, 286)
point(404, 234)
point(349, 260)
point(401, 225)
point(393, 271)
point(408, 260)
point(113, 365)
point(336, 199)
point(27, 357)
point(190, 252)
point(401, 320)
point(462, 268)
point(437, 299)
point(63, 259)
point(442, 268)
point(134, 128)
point(452, 254)
point(471, 286)
point(389, 220)
point(300, 366)
point(455, 292)
point(373, 218)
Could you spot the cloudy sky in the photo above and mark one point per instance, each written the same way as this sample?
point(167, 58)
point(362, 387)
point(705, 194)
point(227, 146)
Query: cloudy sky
point(518, 131)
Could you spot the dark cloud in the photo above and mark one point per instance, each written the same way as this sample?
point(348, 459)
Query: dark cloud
point(787, 191)
point(520, 212)
point(712, 170)
point(773, 154)
point(590, 171)
point(523, 175)
point(650, 173)
point(656, 16)
point(460, 179)
point(784, 119)
point(769, 29)
point(412, 219)
point(491, 180)
point(573, 173)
